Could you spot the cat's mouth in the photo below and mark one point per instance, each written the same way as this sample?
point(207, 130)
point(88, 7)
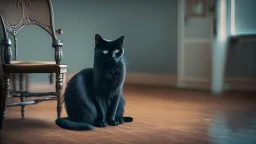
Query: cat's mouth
point(113, 61)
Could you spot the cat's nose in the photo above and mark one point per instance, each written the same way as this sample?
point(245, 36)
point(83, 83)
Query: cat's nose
point(114, 60)
point(113, 55)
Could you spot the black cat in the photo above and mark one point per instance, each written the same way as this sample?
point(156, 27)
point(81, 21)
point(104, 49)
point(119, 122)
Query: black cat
point(94, 96)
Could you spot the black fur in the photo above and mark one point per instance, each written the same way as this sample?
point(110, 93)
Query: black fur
point(94, 96)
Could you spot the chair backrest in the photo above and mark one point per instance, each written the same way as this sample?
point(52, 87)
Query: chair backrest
point(18, 13)
point(3, 33)
point(3, 37)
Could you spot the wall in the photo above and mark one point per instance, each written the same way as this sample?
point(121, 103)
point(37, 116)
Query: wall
point(149, 26)
point(244, 16)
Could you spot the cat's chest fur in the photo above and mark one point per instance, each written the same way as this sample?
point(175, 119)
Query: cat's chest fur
point(110, 74)
point(109, 78)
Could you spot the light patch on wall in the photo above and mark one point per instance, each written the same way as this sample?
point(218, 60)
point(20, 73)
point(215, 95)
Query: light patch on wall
point(232, 18)
point(222, 19)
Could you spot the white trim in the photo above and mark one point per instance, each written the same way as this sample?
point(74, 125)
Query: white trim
point(180, 38)
point(231, 83)
point(233, 18)
point(228, 80)
point(200, 85)
point(145, 79)
point(222, 21)
point(151, 79)
point(197, 40)
point(196, 85)
point(240, 80)
point(195, 79)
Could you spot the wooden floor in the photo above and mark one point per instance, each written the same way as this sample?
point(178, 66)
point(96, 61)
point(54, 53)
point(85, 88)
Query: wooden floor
point(161, 115)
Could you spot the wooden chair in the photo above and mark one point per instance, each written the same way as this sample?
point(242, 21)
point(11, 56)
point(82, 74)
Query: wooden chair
point(14, 15)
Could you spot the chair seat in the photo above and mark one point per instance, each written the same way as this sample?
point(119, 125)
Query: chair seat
point(33, 62)
point(34, 67)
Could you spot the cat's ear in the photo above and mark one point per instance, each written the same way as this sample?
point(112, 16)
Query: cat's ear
point(98, 38)
point(121, 39)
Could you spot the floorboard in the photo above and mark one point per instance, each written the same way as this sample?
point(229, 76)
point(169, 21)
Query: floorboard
point(161, 115)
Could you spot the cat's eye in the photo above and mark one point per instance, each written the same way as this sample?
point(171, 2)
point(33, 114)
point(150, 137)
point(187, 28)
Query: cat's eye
point(105, 51)
point(116, 50)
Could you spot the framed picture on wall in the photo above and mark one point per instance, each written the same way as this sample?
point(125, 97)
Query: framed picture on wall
point(196, 8)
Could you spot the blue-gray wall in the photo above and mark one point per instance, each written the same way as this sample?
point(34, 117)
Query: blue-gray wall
point(245, 16)
point(149, 26)
point(241, 57)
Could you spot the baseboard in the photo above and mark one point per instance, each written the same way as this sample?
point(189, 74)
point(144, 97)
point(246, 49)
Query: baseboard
point(240, 83)
point(145, 79)
point(197, 40)
point(231, 83)
point(200, 85)
point(151, 79)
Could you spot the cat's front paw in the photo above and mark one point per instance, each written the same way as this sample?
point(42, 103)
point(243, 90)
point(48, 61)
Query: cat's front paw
point(100, 124)
point(113, 123)
point(121, 121)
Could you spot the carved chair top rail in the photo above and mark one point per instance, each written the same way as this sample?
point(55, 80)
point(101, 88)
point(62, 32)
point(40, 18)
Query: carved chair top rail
point(4, 33)
point(18, 13)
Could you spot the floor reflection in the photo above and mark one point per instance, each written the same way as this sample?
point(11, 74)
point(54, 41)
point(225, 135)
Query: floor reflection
point(233, 127)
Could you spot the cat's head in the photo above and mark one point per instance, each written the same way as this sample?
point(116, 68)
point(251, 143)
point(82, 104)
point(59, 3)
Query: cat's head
point(109, 51)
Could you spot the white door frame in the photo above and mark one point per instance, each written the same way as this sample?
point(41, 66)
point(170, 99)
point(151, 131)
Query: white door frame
point(181, 47)
point(180, 38)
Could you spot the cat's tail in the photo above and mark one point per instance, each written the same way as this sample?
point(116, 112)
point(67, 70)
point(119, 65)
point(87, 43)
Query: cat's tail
point(127, 119)
point(66, 123)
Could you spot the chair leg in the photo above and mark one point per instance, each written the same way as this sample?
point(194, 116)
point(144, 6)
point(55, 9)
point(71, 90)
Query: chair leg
point(26, 82)
point(22, 97)
point(51, 78)
point(13, 88)
point(23, 108)
point(14, 82)
point(59, 93)
point(3, 100)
